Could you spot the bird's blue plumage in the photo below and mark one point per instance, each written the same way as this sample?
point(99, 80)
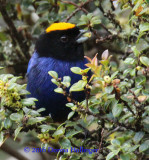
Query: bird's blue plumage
point(41, 87)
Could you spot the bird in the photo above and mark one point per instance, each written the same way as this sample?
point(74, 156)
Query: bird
point(58, 48)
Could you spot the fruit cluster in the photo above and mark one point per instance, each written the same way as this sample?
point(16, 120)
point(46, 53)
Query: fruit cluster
point(44, 137)
point(9, 96)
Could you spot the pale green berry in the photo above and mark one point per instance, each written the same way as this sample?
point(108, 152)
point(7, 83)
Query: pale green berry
point(107, 79)
point(46, 135)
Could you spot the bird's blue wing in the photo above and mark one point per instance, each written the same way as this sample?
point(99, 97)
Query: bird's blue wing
point(41, 87)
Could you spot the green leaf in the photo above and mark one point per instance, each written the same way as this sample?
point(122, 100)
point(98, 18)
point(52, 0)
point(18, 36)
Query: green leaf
point(5, 77)
point(65, 143)
point(94, 110)
point(16, 117)
point(146, 120)
point(108, 89)
point(7, 123)
point(147, 1)
point(138, 136)
point(53, 74)
point(126, 72)
point(114, 75)
point(110, 156)
point(144, 146)
point(59, 90)
point(140, 80)
point(13, 80)
point(125, 157)
point(71, 133)
point(140, 35)
point(59, 132)
point(70, 114)
point(139, 2)
point(70, 105)
point(12, 86)
point(28, 101)
point(66, 81)
point(133, 72)
point(41, 110)
point(126, 98)
point(23, 92)
point(98, 21)
point(129, 61)
point(76, 70)
point(85, 70)
point(79, 86)
point(115, 142)
point(35, 120)
point(46, 128)
point(54, 81)
point(117, 109)
point(133, 148)
point(104, 62)
point(145, 61)
point(89, 15)
point(16, 132)
point(3, 36)
point(144, 27)
point(135, 50)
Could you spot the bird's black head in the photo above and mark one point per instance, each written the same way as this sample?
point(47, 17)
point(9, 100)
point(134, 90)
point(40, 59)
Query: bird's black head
point(60, 41)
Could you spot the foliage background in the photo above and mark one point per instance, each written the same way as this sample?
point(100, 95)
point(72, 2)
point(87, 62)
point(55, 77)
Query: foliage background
point(114, 116)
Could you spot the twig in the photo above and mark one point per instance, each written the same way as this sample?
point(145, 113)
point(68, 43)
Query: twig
point(103, 26)
point(6, 148)
point(103, 39)
point(110, 16)
point(18, 36)
point(112, 6)
point(81, 7)
point(109, 133)
point(102, 136)
point(78, 8)
point(72, 14)
point(129, 108)
point(100, 7)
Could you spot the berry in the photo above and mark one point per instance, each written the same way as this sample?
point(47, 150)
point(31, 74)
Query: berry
point(107, 79)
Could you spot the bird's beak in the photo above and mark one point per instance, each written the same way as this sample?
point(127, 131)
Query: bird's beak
point(83, 36)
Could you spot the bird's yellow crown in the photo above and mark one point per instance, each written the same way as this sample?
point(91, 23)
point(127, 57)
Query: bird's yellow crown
point(60, 26)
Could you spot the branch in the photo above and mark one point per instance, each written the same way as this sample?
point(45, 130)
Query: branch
point(112, 6)
point(72, 14)
point(78, 8)
point(128, 107)
point(101, 140)
point(81, 7)
point(6, 148)
point(110, 16)
point(103, 39)
point(18, 36)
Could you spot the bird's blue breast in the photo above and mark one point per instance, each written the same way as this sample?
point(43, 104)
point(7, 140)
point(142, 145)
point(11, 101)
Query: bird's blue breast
point(41, 87)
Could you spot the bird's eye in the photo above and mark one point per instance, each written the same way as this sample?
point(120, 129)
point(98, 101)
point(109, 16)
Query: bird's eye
point(64, 39)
